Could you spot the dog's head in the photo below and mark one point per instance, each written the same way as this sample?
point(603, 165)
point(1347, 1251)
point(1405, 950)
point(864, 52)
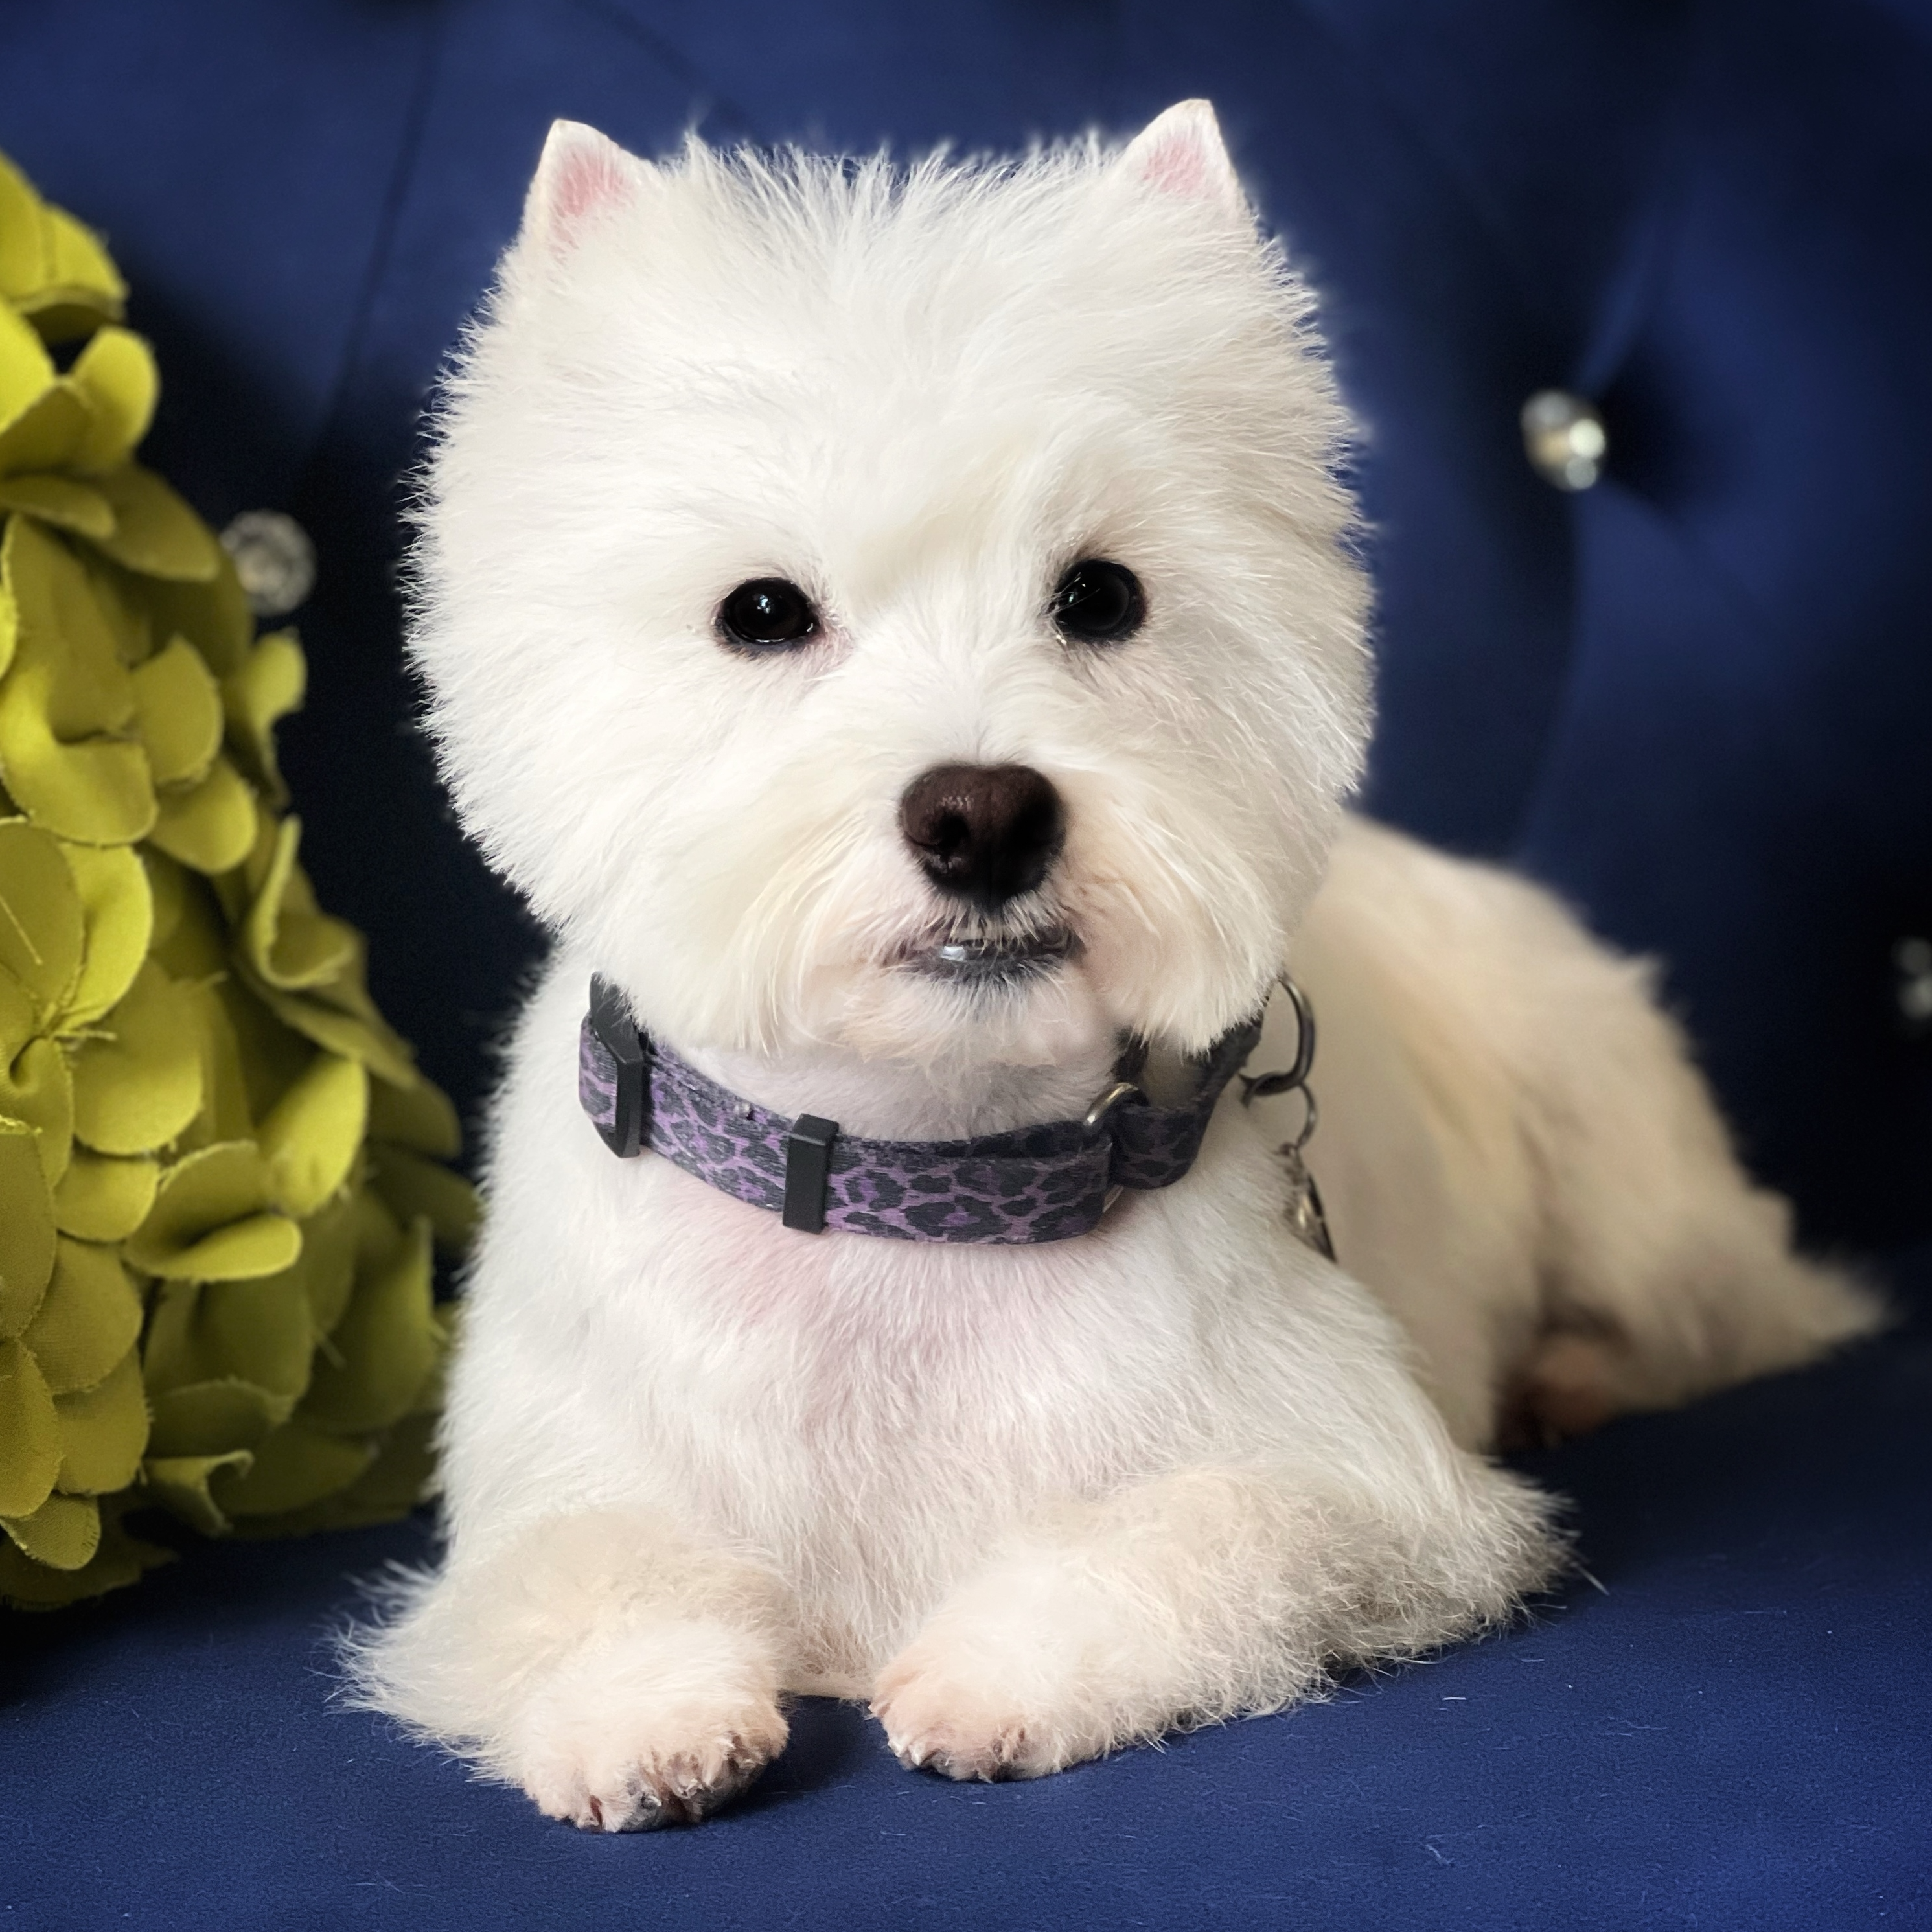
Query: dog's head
point(912, 611)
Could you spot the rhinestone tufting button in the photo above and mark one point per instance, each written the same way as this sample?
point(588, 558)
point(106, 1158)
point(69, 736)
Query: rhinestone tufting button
point(273, 558)
point(1912, 958)
point(1563, 436)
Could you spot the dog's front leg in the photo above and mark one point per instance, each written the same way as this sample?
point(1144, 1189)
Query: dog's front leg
point(625, 1674)
point(1182, 1599)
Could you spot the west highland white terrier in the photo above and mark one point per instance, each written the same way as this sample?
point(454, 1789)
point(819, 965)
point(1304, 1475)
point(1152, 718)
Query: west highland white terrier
point(900, 631)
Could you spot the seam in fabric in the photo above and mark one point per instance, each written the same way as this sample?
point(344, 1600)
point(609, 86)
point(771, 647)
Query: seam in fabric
point(408, 152)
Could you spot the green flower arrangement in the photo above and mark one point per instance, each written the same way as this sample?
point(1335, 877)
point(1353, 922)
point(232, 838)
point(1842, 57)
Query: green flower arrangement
point(220, 1172)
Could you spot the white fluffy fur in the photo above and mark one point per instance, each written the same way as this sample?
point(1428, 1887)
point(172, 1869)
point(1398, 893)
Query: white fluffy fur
point(1033, 1502)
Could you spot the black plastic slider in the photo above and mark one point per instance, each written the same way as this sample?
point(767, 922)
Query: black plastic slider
point(807, 1143)
point(610, 1021)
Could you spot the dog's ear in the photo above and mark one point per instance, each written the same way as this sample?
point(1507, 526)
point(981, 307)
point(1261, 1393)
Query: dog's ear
point(1181, 153)
point(581, 174)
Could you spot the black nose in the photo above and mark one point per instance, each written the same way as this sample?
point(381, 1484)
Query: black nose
point(983, 833)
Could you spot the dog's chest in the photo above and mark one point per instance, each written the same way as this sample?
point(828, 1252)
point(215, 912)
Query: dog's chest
point(830, 1364)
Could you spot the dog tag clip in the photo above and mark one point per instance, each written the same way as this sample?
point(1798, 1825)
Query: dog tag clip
point(1307, 1218)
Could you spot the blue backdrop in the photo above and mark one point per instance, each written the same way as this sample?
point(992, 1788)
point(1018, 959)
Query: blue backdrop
point(1697, 699)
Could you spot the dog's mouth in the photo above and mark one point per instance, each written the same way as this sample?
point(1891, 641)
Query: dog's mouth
point(990, 959)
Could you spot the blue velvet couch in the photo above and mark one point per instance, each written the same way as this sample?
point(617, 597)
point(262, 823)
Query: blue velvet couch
point(1697, 699)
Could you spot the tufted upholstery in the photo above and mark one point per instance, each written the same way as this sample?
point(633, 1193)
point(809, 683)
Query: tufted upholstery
point(1697, 699)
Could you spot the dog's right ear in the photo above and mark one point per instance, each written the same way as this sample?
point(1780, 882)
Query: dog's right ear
point(1181, 153)
point(582, 175)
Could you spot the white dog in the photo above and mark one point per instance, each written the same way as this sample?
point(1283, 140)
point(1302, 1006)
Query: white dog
point(901, 631)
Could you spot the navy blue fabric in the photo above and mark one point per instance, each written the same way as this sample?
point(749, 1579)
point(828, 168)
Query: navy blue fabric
point(1698, 700)
point(1730, 1733)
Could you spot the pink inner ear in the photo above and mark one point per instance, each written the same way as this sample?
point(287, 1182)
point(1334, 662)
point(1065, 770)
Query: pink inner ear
point(1179, 165)
point(590, 178)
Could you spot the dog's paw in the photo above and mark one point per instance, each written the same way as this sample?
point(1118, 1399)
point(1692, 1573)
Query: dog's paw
point(612, 1745)
point(1570, 1385)
point(635, 1778)
point(946, 1711)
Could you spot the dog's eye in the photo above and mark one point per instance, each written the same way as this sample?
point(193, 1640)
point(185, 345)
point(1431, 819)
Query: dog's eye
point(766, 614)
point(1098, 602)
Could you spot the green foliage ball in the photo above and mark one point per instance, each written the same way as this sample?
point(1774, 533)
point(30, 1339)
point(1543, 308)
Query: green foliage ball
point(220, 1174)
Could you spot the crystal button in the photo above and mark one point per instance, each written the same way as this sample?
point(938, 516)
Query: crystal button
point(1564, 437)
point(273, 558)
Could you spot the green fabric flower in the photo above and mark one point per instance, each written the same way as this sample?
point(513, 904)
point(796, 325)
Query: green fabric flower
point(221, 1176)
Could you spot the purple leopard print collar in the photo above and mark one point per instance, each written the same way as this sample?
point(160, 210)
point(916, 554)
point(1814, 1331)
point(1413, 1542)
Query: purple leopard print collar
point(1044, 1184)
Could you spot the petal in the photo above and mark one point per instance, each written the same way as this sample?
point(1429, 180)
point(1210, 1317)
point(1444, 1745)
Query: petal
point(60, 500)
point(137, 1082)
point(332, 1243)
point(103, 1431)
point(293, 1469)
point(116, 377)
point(63, 1533)
point(27, 1240)
point(26, 369)
point(101, 1198)
point(118, 910)
point(313, 1133)
point(270, 684)
point(67, 701)
point(178, 713)
point(212, 826)
point(123, 611)
point(392, 1486)
point(120, 1560)
point(98, 791)
point(169, 1351)
point(49, 264)
point(190, 935)
point(38, 1091)
point(155, 532)
point(415, 1188)
point(213, 616)
point(43, 920)
point(262, 1244)
point(419, 1116)
point(30, 1444)
point(181, 1484)
point(258, 1332)
point(19, 1021)
point(22, 261)
point(214, 1418)
point(83, 286)
point(226, 1114)
point(383, 1349)
point(88, 1320)
point(368, 1038)
point(57, 611)
point(45, 434)
point(206, 1223)
point(291, 944)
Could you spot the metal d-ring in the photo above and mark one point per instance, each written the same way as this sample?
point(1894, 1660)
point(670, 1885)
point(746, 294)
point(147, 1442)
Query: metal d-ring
point(1121, 1090)
point(1264, 1086)
point(1096, 1117)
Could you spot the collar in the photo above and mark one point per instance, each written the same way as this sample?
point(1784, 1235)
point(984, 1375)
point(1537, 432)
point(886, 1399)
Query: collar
point(1042, 1184)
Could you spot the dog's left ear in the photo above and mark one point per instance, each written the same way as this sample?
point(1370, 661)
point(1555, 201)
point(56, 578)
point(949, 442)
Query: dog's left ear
point(1181, 153)
point(582, 175)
